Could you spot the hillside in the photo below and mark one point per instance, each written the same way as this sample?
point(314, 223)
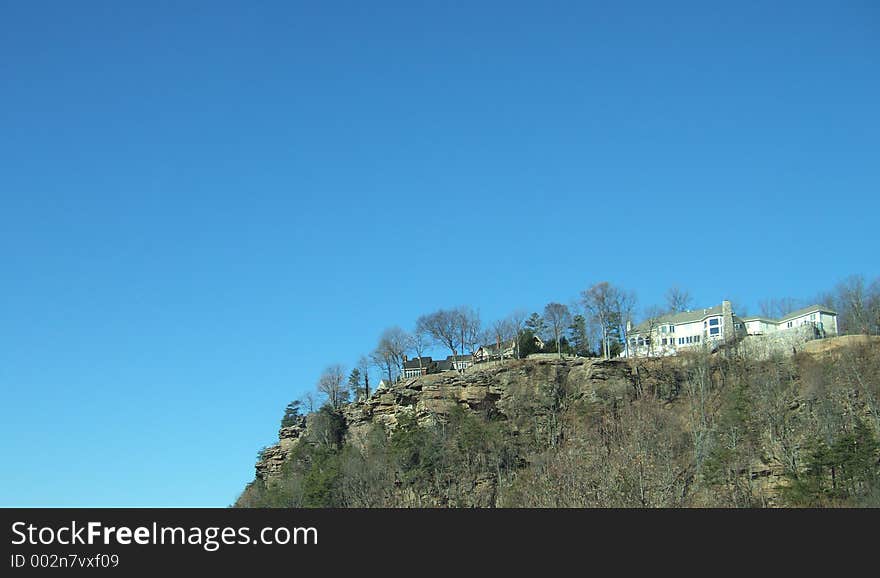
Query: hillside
point(692, 430)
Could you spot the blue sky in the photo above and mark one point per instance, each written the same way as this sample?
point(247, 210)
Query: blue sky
point(202, 204)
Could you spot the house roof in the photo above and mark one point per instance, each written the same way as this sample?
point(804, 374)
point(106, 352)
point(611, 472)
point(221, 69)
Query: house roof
point(805, 310)
point(759, 318)
point(679, 318)
point(700, 314)
point(793, 314)
point(414, 363)
point(465, 357)
point(493, 347)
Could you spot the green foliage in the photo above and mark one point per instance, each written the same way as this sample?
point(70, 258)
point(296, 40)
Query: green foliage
point(835, 473)
point(328, 428)
point(527, 343)
point(535, 324)
point(291, 414)
point(715, 441)
point(731, 450)
point(577, 335)
point(354, 383)
point(416, 451)
point(615, 340)
point(319, 485)
point(564, 346)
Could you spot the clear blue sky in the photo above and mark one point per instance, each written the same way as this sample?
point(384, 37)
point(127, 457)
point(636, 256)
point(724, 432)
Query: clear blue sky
point(202, 204)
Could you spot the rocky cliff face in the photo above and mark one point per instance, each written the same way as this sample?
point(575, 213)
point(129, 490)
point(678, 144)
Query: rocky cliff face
point(486, 388)
point(719, 429)
point(272, 458)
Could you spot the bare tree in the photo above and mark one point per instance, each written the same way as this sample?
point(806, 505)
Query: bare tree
point(395, 341)
point(626, 305)
point(390, 351)
point(874, 305)
point(384, 362)
point(502, 331)
point(610, 308)
point(332, 384)
point(363, 365)
point(678, 299)
point(558, 317)
point(308, 400)
point(653, 316)
point(385, 359)
point(419, 341)
point(858, 305)
point(775, 308)
point(599, 302)
point(443, 327)
point(517, 321)
point(468, 322)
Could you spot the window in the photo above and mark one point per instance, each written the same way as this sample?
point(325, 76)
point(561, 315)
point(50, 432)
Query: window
point(714, 331)
point(812, 316)
point(789, 324)
point(714, 321)
point(662, 329)
point(672, 329)
point(681, 340)
point(696, 338)
point(663, 341)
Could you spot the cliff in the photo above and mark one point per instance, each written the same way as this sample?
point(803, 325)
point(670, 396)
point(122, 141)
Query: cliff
point(485, 388)
point(702, 429)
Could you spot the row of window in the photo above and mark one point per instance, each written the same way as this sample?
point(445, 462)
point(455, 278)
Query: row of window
point(684, 340)
point(713, 322)
point(643, 341)
point(689, 340)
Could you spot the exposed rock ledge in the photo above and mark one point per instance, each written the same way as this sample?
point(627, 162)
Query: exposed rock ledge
point(481, 388)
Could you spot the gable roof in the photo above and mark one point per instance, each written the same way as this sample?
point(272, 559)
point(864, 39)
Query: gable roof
point(793, 314)
point(679, 318)
point(492, 348)
point(444, 365)
point(414, 363)
point(805, 310)
point(758, 318)
point(700, 314)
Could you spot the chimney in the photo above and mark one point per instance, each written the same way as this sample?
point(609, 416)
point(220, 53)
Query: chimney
point(727, 320)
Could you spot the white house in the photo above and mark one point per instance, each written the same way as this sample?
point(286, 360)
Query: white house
point(668, 334)
point(506, 350)
point(487, 352)
point(822, 318)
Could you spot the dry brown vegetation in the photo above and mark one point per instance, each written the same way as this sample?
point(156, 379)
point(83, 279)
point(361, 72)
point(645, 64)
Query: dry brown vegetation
point(698, 430)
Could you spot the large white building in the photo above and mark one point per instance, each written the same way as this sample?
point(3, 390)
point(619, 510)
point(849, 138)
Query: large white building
point(668, 334)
